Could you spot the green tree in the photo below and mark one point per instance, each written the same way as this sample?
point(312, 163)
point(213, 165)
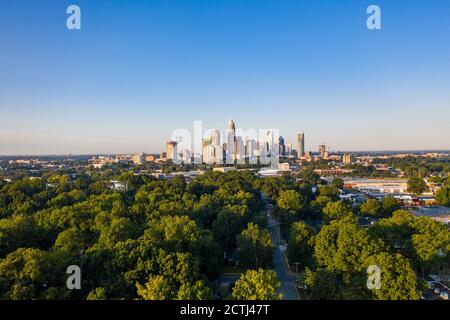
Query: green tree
point(308, 176)
point(290, 201)
point(337, 183)
point(156, 288)
point(370, 207)
point(337, 210)
point(417, 186)
point(257, 285)
point(398, 279)
point(301, 244)
point(28, 273)
point(388, 205)
point(321, 285)
point(443, 196)
point(196, 291)
point(342, 247)
point(255, 247)
point(97, 294)
point(225, 229)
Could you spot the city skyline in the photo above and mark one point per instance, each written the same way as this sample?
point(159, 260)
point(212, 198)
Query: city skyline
point(137, 71)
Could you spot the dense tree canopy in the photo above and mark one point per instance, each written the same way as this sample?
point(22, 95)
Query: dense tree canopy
point(255, 247)
point(257, 285)
point(170, 239)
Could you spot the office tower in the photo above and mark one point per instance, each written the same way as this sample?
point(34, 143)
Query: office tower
point(250, 150)
point(163, 155)
point(215, 137)
point(240, 149)
point(270, 141)
point(139, 158)
point(347, 158)
point(224, 151)
point(215, 141)
point(322, 150)
point(186, 156)
point(281, 147)
point(300, 145)
point(211, 149)
point(289, 149)
point(207, 151)
point(171, 150)
point(230, 141)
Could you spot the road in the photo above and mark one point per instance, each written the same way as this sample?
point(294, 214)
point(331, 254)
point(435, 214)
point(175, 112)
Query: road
point(287, 281)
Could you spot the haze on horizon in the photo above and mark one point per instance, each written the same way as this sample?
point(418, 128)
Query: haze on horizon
point(137, 71)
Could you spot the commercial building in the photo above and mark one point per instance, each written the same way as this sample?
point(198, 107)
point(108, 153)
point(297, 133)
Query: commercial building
point(281, 147)
point(171, 150)
point(139, 158)
point(301, 145)
point(392, 185)
point(323, 150)
point(347, 158)
point(230, 150)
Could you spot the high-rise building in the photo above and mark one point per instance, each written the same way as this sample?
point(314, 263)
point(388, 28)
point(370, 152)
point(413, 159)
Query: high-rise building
point(207, 151)
point(139, 158)
point(171, 150)
point(215, 137)
point(281, 147)
point(270, 141)
point(322, 150)
point(300, 145)
point(347, 158)
point(289, 149)
point(211, 149)
point(230, 142)
point(240, 150)
point(250, 150)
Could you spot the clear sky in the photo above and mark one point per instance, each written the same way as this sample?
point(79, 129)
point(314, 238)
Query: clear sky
point(137, 70)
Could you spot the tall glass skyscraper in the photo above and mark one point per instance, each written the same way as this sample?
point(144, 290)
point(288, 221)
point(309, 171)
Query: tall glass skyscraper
point(300, 144)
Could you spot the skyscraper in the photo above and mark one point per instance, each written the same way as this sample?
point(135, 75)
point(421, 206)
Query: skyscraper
point(347, 158)
point(300, 145)
point(212, 150)
point(240, 150)
point(171, 150)
point(322, 150)
point(215, 137)
point(139, 158)
point(281, 147)
point(270, 141)
point(230, 142)
point(288, 149)
point(250, 150)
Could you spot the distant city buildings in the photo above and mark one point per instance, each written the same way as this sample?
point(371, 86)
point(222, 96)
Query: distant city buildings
point(289, 149)
point(347, 158)
point(323, 151)
point(140, 158)
point(230, 147)
point(301, 145)
point(171, 150)
point(250, 150)
point(281, 147)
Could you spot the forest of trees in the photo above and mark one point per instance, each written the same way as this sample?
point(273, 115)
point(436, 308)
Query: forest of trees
point(334, 251)
point(166, 239)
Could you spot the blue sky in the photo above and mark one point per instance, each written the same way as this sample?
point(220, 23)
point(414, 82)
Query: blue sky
point(137, 70)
